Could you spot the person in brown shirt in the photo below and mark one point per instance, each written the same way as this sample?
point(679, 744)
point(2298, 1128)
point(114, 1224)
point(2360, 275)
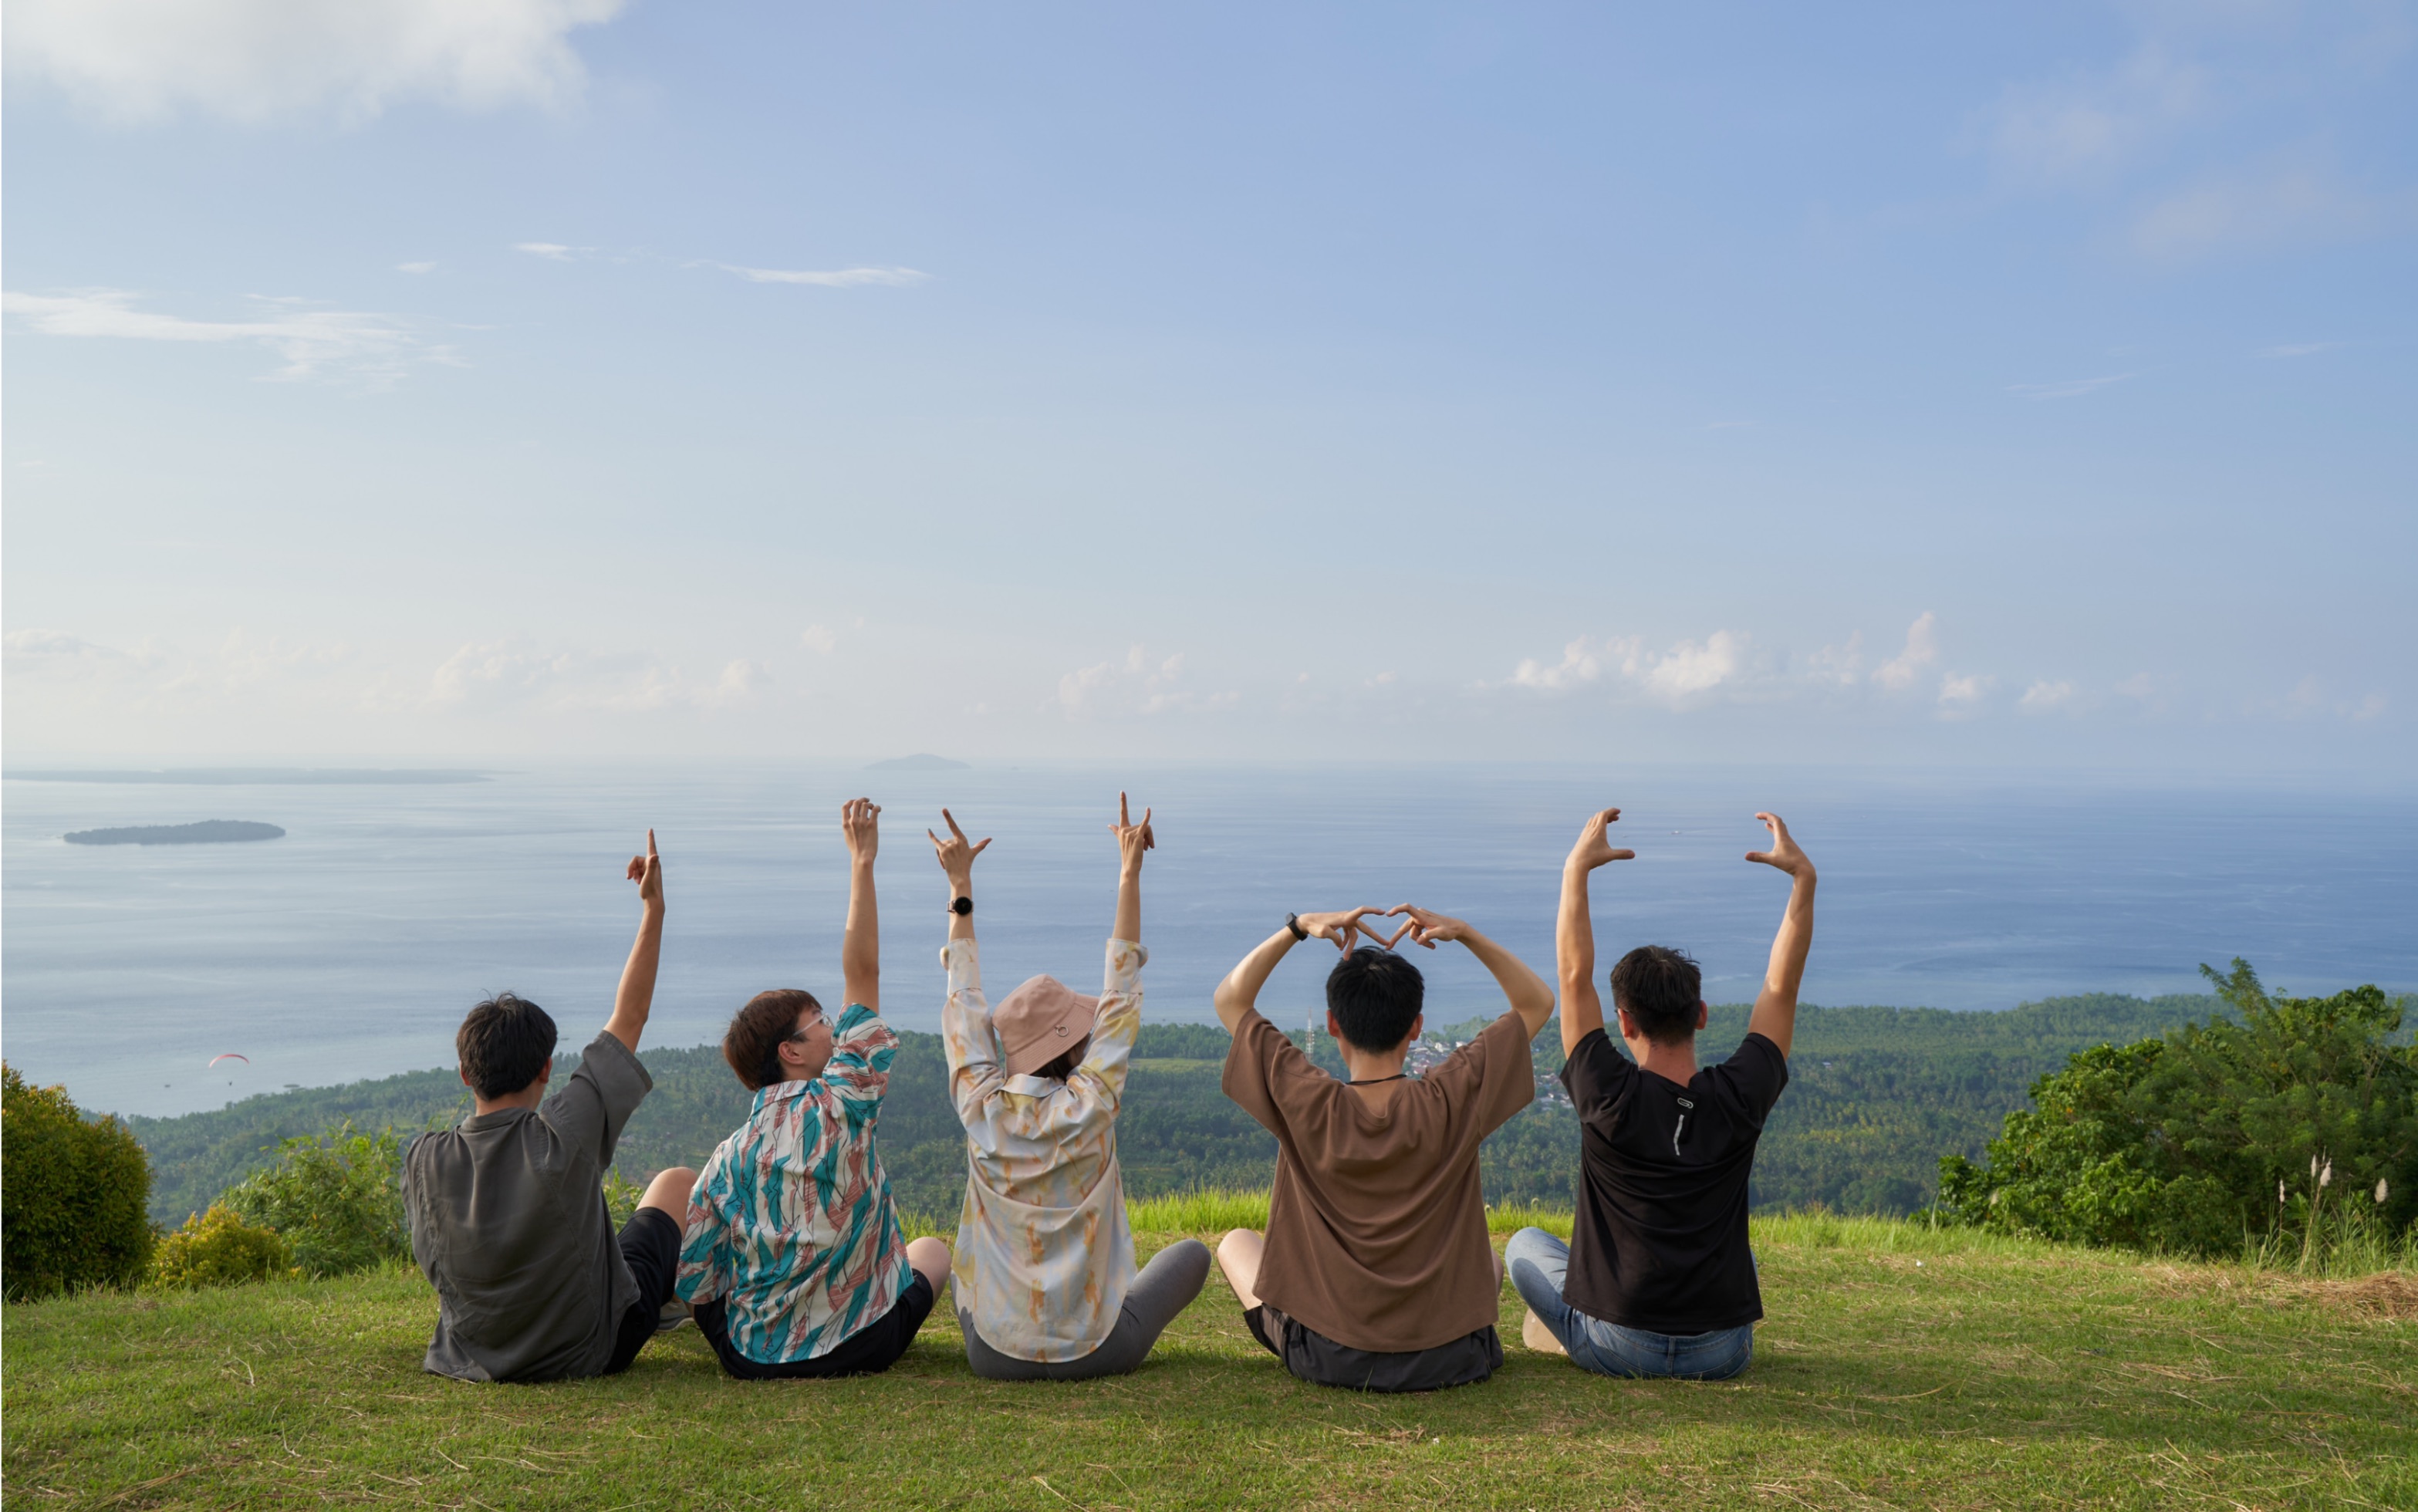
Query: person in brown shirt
point(1375, 1271)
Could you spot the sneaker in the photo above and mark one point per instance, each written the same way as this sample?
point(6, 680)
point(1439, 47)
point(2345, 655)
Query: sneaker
point(674, 1313)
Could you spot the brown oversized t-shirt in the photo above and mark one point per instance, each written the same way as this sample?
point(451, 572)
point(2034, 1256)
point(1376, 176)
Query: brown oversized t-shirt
point(1377, 1228)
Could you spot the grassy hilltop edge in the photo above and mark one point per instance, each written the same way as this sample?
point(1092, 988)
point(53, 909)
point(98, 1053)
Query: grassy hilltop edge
point(1876, 1096)
point(1898, 1366)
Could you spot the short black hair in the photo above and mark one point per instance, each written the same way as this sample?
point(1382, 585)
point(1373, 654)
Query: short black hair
point(763, 1024)
point(503, 1044)
point(1660, 987)
point(1375, 996)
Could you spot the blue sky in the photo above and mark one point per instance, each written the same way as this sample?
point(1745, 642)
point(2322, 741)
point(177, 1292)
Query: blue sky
point(1917, 384)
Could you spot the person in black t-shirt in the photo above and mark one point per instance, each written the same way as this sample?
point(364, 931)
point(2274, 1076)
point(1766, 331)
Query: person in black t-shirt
point(1657, 1279)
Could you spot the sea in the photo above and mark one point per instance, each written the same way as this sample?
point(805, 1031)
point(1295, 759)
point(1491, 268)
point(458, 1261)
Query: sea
point(351, 947)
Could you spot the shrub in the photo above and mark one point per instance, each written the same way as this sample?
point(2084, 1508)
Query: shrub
point(2220, 1137)
point(219, 1248)
point(335, 1198)
point(71, 1208)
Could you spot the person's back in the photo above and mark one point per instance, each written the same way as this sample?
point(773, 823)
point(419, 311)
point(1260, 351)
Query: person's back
point(1044, 1268)
point(1657, 1278)
point(1376, 1271)
point(507, 1209)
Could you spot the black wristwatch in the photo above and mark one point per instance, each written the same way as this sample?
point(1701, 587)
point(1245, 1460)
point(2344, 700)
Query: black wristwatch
point(962, 907)
point(1293, 922)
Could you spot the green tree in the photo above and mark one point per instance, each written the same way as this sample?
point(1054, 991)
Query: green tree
point(2185, 1143)
point(72, 1195)
point(336, 1198)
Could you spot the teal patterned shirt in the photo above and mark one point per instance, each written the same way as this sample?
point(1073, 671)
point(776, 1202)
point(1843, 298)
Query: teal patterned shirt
point(791, 1222)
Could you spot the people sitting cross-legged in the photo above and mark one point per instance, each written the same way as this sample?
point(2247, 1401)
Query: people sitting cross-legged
point(792, 1257)
point(507, 1208)
point(1046, 1287)
point(1658, 1280)
point(1375, 1271)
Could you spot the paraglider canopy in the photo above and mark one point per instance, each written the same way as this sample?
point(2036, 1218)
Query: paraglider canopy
point(229, 1056)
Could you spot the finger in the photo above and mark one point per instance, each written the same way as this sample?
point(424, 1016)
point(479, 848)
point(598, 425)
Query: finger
point(1612, 816)
point(951, 821)
point(638, 868)
point(1762, 856)
point(1125, 815)
point(1624, 855)
point(935, 839)
point(650, 842)
point(979, 849)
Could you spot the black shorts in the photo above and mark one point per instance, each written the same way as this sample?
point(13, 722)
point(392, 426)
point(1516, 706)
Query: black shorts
point(651, 1246)
point(874, 1347)
point(1314, 1357)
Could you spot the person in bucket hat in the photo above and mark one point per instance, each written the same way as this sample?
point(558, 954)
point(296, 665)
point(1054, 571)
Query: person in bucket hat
point(1045, 1278)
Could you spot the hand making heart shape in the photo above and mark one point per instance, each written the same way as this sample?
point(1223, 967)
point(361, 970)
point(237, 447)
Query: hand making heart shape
point(1424, 926)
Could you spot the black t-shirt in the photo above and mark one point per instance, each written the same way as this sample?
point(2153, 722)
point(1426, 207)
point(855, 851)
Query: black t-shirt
point(1659, 1242)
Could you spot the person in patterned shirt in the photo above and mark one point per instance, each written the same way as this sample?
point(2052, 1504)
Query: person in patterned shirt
point(792, 1258)
point(1046, 1283)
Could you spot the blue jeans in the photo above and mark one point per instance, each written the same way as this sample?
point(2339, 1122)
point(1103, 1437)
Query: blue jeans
point(1539, 1266)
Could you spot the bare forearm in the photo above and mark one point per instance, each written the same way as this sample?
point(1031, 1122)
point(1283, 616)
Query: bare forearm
point(1128, 904)
point(860, 950)
point(1574, 960)
point(636, 997)
point(1775, 1008)
point(1240, 992)
point(961, 926)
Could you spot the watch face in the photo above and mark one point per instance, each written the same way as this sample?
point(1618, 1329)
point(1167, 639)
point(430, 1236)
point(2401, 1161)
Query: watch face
point(962, 906)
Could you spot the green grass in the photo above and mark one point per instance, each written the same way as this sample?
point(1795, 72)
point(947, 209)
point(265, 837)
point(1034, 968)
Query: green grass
point(1899, 1366)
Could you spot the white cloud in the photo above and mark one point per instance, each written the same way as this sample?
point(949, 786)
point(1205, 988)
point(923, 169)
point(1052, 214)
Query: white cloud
point(1961, 695)
point(552, 251)
point(818, 641)
point(1690, 669)
point(2044, 696)
point(1674, 676)
point(49, 649)
point(1921, 650)
point(414, 268)
point(504, 676)
point(312, 343)
point(2067, 388)
point(845, 278)
point(1138, 684)
point(2088, 127)
point(253, 60)
point(2270, 205)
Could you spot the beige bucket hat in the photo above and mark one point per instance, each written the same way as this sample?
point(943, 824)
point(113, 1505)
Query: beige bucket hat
point(1040, 1021)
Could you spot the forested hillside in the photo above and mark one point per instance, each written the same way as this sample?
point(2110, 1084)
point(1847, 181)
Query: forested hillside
point(1876, 1096)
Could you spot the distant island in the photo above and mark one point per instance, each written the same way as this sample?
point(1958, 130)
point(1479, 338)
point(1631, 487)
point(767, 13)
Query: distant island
point(207, 832)
point(920, 761)
point(262, 776)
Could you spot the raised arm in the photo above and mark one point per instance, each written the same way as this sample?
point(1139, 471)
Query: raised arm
point(636, 997)
point(1524, 988)
point(956, 856)
point(1775, 1007)
point(860, 948)
point(1574, 930)
point(1240, 992)
point(1132, 840)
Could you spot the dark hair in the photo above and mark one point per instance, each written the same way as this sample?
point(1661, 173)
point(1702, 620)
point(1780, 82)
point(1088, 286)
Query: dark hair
point(1374, 996)
point(503, 1044)
point(1661, 988)
point(1068, 1059)
point(753, 1042)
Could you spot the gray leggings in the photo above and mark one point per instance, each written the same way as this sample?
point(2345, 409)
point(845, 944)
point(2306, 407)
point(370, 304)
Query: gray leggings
point(1165, 1287)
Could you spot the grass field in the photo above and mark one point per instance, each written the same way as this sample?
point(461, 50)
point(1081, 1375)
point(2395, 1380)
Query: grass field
point(1898, 1366)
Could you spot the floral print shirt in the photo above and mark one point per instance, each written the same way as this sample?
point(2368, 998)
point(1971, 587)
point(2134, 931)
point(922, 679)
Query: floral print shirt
point(792, 1221)
point(1043, 1255)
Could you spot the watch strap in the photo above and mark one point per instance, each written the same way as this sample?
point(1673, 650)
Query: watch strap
point(1293, 922)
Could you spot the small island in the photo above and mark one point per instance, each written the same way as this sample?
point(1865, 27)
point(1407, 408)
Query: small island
point(207, 832)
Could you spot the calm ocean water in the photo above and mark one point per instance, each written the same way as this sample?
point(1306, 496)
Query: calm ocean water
point(351, 947)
